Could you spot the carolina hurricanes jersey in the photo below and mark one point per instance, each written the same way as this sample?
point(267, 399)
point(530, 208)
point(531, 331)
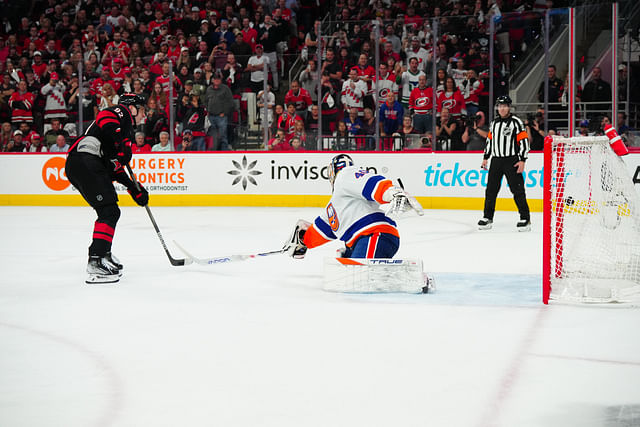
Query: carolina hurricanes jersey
point(287, 122)
point(472, 92)
point(366, 71)
point(122, 45)
point(421, 100)
point(302, 99)
point(454, 102)
point(96, 85)
point(21, 105)
point(117, 76)
point(165, 82)
point(352, 97)
point(354, 209)
point(385, 86)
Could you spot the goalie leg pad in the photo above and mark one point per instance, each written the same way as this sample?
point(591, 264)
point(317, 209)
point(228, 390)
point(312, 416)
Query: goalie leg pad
point(351, 275)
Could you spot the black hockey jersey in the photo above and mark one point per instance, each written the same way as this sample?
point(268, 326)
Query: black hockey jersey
point(113, 128)
point(110, 137)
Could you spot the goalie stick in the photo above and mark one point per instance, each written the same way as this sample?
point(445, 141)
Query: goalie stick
point(225, 259)
point(172, 260)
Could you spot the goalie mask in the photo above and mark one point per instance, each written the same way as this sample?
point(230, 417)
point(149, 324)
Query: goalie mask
point(338, 163)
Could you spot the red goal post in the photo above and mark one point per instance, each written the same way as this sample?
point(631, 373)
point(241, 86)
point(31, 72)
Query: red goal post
point(591, 231)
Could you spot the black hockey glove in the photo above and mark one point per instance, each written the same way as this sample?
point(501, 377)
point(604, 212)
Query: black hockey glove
point(120, 175)
point(123, 153)
point(141, 197)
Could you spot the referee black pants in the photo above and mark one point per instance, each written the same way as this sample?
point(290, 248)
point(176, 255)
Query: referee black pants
point(504, 166)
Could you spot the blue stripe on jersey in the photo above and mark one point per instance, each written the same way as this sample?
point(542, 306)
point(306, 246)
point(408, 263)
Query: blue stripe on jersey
point(363, 222)
point(370, 186)
point(324, 228)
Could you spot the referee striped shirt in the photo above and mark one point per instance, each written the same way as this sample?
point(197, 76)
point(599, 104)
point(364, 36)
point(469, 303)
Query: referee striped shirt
point(507, 137)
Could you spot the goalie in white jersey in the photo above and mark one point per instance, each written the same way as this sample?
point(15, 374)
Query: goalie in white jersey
point(354, 216)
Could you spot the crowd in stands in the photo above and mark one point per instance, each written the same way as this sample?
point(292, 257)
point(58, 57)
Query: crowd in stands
point(60, 60)
point(193, 60)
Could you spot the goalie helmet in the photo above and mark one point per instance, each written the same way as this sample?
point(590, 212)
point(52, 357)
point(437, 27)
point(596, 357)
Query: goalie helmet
point(338, 163)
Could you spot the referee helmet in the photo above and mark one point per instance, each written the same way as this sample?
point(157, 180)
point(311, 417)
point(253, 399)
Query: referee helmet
point(504, 99)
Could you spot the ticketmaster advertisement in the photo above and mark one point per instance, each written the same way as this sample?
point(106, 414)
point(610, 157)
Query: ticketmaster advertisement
point(438, 180)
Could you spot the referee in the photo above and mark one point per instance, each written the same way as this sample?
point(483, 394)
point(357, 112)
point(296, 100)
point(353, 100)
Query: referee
point(508, 147)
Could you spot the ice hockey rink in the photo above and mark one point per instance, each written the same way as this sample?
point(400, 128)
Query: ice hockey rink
point(259, 343)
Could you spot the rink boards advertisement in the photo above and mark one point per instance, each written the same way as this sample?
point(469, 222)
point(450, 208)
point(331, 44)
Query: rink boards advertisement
point(438, 180)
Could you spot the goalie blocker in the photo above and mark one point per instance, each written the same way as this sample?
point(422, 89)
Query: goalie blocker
point(355, 275)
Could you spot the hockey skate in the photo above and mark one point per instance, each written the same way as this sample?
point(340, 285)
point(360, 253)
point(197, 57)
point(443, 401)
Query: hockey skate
point(429, 284)
point(114, 262)
point(485, 224)
point(101, 271)
point(524, 225)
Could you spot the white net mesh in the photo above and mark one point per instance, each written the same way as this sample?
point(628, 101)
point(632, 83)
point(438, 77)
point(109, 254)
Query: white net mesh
point(595, 224)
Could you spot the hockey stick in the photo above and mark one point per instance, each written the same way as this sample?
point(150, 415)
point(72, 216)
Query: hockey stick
point(225, 259)
point(172, 260)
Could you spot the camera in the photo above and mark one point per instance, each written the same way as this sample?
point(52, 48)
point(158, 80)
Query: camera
point(531, 117)
point(471, 120)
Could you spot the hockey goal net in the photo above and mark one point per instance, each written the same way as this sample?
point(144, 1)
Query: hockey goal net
point(591, 224)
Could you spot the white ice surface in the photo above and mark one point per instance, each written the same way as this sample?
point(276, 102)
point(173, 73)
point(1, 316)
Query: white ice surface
point(258, 343)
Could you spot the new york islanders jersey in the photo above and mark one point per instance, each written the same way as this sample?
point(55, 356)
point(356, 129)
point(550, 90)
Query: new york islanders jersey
point(354, 209)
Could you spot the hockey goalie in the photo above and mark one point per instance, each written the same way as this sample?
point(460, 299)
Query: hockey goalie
point(371, 238)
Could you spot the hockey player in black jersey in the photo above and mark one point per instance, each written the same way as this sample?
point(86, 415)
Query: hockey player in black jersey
point(95, 160)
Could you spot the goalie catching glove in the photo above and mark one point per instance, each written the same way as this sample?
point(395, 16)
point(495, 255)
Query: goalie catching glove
point(294, 246)
point(400, 202)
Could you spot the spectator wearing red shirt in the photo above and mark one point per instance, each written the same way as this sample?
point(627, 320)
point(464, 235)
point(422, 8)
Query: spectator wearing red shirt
point(38, 66)
point(287, 120)
point(174, 49)
point(278, 142)
point(21, 103)
point(412, 19)
point(249, 34)
point(119, 46)
point(155, 25)
point(116, 73)
point(140, 146)
point(286, 14)
point(34, 36)
point(388, 52)
point(296, 144)
point(35, 145)
point(452, 99)
point(421, 105)
point(300, 97)
point(165, 79)
point(367, 74)
point(105, 77)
